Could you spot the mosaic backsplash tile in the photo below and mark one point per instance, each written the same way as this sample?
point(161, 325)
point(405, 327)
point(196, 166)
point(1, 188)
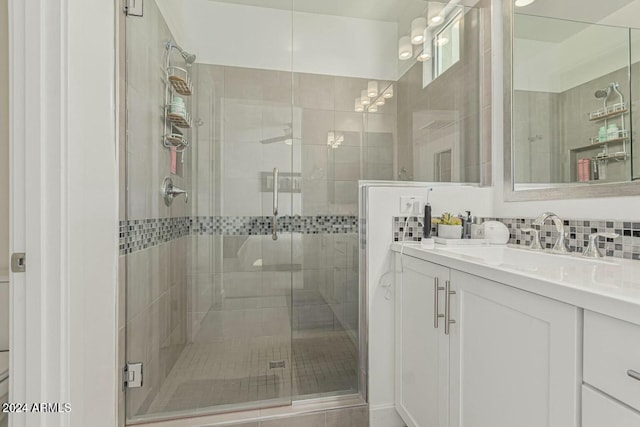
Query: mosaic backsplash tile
point(136, 235)
point(578, 230)
point(139, 234)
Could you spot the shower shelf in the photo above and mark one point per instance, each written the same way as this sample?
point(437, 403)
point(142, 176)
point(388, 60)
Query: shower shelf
point(180, 80)
point(620, 155)
point(177, 140)
point(177, 119)
point(608, 111)
point(623, 135)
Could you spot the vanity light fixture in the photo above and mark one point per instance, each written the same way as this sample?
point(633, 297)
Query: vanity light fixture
point(441, 40)
point(426, 55)
point(405, 48)
point(359, 108)
point(523, 3)
point(364, 98)
point(380, 101)
point(373, 108)
point(388, 92)
point(418, 26)
point(372, 89)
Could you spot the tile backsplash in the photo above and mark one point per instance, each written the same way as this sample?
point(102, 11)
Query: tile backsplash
point(626, 246)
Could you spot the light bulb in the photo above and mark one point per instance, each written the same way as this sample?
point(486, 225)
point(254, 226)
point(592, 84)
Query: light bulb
point(373, 108)
point(388, 92)
point(372, 89)
point(418, 26)
point(442, 40)
point(358, 106)
point(380, 101)
point(437, 20)
point(405, 49)
point(425, 55)
point(364, 98)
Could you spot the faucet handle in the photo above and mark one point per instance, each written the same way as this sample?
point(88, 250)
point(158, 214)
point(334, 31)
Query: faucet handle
point(592, 250)
point(535, 242)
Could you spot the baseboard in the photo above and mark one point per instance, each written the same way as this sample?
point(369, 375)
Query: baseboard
point(384, 416)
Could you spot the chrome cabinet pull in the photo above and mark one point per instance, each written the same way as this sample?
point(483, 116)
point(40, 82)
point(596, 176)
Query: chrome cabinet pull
point(436, 291)
point(633, 374)
point(274, 222)
point(447, 307)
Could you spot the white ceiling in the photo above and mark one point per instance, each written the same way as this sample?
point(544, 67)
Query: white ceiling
point(533, 23)
point(377, 10)
point(575, 10)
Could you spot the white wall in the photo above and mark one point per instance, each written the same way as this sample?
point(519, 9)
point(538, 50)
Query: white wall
point(4, 136)
point(619, 208)
point(256, 37)
point(383, 202)
point(558, 67)
point(64, 202)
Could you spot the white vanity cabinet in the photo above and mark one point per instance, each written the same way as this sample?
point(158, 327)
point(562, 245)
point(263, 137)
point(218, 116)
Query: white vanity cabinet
point(510, 359)
point(514, 357)
point(422, 351)
point(611, 372)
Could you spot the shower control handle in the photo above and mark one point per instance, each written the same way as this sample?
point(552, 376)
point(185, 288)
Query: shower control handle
point(169, 192)
point(274, 223)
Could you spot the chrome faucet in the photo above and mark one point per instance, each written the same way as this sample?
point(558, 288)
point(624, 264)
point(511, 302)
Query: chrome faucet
point(561, 242)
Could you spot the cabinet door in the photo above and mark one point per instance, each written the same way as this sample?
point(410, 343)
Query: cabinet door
point(422, 351)
point(514, 357)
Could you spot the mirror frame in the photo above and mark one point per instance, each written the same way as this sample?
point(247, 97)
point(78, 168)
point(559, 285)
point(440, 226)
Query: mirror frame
point(612, 189)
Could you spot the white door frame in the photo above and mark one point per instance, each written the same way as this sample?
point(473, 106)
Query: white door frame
point(64, 209)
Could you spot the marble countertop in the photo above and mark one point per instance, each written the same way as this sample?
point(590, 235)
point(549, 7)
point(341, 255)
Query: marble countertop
point(610, 286)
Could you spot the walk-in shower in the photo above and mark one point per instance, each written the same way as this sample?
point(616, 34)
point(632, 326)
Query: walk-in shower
point(248, 296)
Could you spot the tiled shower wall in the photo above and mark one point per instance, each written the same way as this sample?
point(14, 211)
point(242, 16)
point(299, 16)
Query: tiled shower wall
point(155, 292)
point(564, 117)
point(451, 112)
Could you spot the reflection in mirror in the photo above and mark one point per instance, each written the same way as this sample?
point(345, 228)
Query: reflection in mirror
point(572, 115)
point(440, 97)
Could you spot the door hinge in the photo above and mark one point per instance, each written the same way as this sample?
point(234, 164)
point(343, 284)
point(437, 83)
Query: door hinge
point(133, 7)
point(18, 262)
point(132, 375)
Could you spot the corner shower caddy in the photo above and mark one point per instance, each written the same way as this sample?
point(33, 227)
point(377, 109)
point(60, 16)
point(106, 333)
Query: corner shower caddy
point(604, 114)
point(177, 81)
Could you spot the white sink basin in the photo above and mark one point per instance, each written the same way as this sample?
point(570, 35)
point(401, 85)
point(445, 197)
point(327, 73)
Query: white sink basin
point(510, 256)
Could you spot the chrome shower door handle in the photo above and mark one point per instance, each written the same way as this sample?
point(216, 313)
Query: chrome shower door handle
point(274, 222)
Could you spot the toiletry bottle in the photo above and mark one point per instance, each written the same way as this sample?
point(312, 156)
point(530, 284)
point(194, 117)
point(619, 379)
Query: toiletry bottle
point(612, 131)
point(602, 134)
point(477, 229)
point(466, 231)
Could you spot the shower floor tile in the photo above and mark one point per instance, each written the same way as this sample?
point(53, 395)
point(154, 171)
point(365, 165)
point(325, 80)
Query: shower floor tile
point(230, 371)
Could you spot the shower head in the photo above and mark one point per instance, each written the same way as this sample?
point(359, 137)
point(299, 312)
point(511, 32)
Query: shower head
point(602, 93)
point(189, 58)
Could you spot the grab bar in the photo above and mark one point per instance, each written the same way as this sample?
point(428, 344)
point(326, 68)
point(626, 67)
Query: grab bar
point(274, 223)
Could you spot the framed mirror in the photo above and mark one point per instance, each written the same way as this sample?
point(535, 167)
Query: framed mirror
point(571, 113)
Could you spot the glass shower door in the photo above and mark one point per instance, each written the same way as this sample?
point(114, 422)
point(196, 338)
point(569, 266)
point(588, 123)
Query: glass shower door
point(209, 277)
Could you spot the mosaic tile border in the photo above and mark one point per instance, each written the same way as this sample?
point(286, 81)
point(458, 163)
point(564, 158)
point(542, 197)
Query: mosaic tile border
point(626, 246)
point(137, 235)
